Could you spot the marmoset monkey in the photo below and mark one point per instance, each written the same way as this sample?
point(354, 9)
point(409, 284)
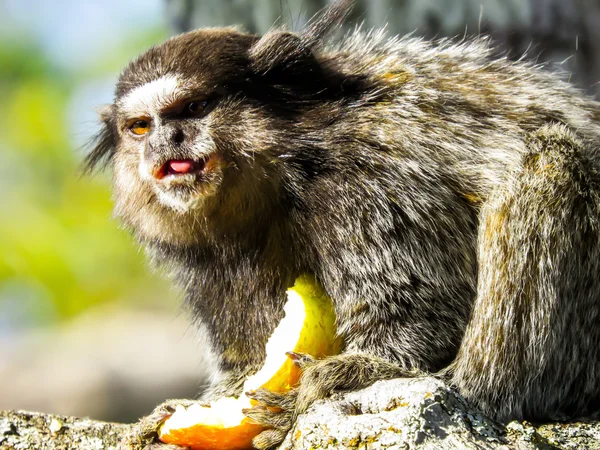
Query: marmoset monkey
point(448, 202)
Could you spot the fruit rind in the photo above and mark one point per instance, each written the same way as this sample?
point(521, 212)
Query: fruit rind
point(308, 327)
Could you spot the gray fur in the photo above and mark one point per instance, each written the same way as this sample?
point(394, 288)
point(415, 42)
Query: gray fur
point(447, 201)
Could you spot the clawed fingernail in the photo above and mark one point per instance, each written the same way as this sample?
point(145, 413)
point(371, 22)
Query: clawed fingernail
point(293, 356)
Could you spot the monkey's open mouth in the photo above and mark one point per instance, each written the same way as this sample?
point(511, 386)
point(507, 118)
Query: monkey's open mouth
point(179, 167)
point(183, 184)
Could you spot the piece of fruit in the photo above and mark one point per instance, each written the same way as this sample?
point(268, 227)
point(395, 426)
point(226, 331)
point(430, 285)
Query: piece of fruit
point(308, 327)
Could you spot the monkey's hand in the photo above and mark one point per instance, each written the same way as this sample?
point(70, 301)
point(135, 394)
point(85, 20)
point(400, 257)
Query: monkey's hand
point(319, 379)
point(144, 434)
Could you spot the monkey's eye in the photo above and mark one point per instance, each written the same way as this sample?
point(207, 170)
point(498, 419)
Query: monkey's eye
point(139, 127)
point(194, 108)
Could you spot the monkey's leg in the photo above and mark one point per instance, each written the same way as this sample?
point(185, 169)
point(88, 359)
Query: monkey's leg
point(320, 378)
point(532, 346)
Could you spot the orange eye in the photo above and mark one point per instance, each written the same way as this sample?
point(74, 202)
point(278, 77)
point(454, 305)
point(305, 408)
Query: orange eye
point(140, 127)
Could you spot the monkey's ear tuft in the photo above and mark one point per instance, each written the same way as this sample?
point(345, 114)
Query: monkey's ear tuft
point(279, 49)
point(103, 144)
point(106, 113)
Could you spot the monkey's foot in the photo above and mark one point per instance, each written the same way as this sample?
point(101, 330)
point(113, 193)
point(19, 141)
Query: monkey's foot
point(144, 434)
point(320, 378)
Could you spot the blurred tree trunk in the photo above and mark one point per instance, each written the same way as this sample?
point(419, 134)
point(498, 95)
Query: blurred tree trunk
point(564, 32)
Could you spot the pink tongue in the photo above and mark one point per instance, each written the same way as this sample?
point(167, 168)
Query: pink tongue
point(181, 166)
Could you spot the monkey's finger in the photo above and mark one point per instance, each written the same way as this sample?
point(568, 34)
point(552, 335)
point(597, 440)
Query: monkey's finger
point(268, 439)
point(269, 418)
point(267, 398)
point(300, 360)
point(169, 406)
point(255, 413)
point(155, 419)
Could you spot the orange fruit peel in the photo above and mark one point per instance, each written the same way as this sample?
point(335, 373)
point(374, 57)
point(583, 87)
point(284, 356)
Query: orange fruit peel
point(307, 327)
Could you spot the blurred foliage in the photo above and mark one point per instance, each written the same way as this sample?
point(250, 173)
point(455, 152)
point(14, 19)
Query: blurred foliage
point(60, 250)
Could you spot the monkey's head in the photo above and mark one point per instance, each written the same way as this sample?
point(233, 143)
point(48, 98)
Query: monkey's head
point(202, 126)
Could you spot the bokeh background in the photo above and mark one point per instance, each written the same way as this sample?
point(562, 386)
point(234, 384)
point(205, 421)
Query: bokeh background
point(85, 327)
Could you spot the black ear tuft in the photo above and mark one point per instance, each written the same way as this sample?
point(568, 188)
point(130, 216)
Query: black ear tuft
point(103, 144)
point(280, 49)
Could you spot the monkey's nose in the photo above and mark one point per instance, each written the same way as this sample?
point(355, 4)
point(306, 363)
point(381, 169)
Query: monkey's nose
point(177, 136)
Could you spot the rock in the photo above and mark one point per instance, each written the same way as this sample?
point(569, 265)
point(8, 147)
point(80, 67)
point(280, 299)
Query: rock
point(416, 414)
point(21, 430)
point(423, 413)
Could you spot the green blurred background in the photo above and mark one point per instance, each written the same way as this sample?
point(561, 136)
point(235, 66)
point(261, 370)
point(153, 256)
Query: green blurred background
point(60, 252)
point(77, 303)
point(85, 327)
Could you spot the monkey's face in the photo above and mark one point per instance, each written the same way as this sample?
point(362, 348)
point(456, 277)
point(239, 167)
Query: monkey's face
point(203, 126)
point(181, 140)
point(166, 142)
point(167, 166)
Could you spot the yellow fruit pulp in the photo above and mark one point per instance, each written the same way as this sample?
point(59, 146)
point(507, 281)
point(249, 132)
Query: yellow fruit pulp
point(308, 327)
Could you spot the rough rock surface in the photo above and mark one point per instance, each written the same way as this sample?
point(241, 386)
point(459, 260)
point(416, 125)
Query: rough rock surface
point(22, 430)
point(415, 414)
point(423, 413)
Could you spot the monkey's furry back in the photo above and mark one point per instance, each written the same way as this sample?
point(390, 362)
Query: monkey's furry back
point(461, 132)
point(409, 177)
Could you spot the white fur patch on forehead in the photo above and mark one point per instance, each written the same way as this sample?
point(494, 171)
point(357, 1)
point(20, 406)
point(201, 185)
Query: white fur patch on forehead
point(152, 96)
